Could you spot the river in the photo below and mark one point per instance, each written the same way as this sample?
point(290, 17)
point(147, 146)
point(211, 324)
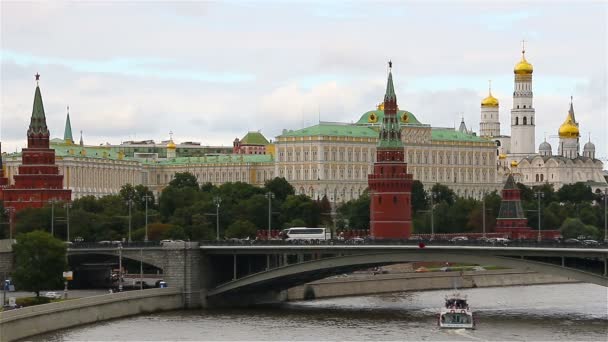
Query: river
point(567, 312)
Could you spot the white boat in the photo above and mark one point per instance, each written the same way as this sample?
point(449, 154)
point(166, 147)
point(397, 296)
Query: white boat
point(456, 313)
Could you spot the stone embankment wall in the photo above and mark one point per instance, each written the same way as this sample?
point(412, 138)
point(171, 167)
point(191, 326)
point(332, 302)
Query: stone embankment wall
point(6, 259)
point(33, 320)
point(366, 284)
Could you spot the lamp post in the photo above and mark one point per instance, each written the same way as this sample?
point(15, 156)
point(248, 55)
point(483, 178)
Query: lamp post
point(539, 195)
point(119, 268)
point(217, 201)
point(606, 215)
point(270, 196)
point(10, 211)
point(67, 217)
point(52, 202)
point(130, 204)
point(432, 195)
point(146, 198)
point(483, 208)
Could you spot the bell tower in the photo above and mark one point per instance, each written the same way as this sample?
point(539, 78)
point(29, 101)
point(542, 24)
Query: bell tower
point(390, 185)
point(522, 114)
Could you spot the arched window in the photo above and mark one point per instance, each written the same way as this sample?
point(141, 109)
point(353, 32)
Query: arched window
point(537, 178)
point(525, 120)
point(517, 120)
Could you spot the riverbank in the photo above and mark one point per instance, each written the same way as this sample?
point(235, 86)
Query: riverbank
point(368, 283)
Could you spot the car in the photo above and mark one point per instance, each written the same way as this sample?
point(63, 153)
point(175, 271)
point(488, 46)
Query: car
point(590, 243)
point(104, 242)
point(445, 269)
point(52, 295)
point(422, 269)
point(459, 238)
point(478, 268)
point(572, 241)
point(162, 242)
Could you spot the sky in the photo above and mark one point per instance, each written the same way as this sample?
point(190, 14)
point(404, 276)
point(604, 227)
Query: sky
point(212, 71)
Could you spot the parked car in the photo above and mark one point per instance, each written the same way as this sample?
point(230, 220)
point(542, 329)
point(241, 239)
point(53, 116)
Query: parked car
point(104, 242)
point(459, 238)
point(572, 241)
point(422, 269)
point(590, 243)
point(52, 295)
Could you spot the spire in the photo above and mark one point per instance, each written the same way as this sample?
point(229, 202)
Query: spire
point(463, 127)
point(571, 111)
point(510, 183)
point(81, 142)
point(490, 87)
point(38, 119)
point(390, 89)
point(67, 133)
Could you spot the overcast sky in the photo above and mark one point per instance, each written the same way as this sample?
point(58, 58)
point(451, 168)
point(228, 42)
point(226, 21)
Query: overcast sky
point(211, 71)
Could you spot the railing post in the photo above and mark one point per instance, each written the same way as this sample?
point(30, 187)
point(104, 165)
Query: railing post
point(234, 267)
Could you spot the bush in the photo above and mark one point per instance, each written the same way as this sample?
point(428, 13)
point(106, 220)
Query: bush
point(29, 301)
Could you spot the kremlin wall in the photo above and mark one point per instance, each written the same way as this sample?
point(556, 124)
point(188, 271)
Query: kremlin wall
point(330, 159)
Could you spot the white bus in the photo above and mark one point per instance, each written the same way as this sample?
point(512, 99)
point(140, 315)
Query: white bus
point(304, 233)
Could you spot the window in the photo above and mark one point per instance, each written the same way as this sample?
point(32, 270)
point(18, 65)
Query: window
point(525, 120)
point(517, 119)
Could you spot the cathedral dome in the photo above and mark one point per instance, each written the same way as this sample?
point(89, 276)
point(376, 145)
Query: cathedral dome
point(544, 146)
point(589, 146)
point(523, 67)
point(568, 129)
point(489, 101)
point(171, 145)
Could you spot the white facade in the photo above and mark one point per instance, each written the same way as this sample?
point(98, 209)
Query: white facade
point(522, 116)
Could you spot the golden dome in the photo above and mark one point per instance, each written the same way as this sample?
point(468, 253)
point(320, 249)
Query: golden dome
point(523, 67)
point(380, 106)
point(513, 163)
point(171, 145)
point(568, 129)
point(490, 101)
point(502, 156)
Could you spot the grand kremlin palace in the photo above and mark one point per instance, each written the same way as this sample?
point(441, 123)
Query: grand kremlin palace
point(334, 159)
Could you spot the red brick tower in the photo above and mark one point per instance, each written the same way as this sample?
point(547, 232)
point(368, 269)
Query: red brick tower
point(390, 185)
point(38, 180)
point(511, 219)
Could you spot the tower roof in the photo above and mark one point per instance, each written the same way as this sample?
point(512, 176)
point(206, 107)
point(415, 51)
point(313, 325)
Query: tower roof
point(67, 133)
point(390, 88)
point(510, 183)
point(523, 67)
point(390, 131)
point(38, 119)
point(569, 129)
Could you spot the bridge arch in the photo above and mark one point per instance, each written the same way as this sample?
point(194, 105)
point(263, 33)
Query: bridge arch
point(134, 255)
point(297, 274)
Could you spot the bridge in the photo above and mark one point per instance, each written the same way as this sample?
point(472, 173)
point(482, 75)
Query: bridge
point(240, 272)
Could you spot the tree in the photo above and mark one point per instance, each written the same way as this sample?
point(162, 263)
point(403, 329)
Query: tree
point(573, 228)
point(40, 260)
point(280, 187)
point(241, 229)
point(575, 193)
point(443, 194)
point(184, 180)
point(419, 197)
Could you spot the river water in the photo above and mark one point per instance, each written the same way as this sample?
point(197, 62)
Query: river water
point(568, 312)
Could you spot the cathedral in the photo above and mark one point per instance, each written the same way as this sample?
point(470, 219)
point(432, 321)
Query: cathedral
point(516, 154)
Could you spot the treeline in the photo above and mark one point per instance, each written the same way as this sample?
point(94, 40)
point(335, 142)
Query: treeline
point(574, 209)
point(185, 210)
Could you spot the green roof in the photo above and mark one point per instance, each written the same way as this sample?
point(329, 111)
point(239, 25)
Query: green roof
point(333, 130)
point(449, 134)
point(217, 159)
point(405, 118)
point(254, 138)
point(38, 119)
point(67, 133)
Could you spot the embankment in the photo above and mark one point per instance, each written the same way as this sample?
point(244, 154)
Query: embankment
point(367, 284)
point(33, 320)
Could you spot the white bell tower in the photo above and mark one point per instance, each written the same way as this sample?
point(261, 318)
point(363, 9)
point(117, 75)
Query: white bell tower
point(523, 122)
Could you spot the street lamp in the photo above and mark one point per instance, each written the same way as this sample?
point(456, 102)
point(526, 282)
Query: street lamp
point(606, 215)
point(67, 216)
point(539, 195)
point(52, 202)
point(432, 196)
point(119, 268)
point(483, 208)
point(217, 201)
point(130, 204)
point(270, 196)
point(146, 198)
point(10, 211)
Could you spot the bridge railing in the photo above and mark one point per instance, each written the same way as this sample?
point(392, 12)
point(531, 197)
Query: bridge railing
point(135, 244)
point(335, 242)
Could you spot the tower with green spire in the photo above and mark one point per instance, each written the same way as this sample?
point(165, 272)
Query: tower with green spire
point(38, 180)
point(390, 185)
point(67, 133)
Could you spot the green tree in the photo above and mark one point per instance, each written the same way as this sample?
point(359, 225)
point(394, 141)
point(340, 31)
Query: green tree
point(40, 261)
point(575, 193)
point(574, 227)
point(303, 208)
point(280, 187)
point(241, 229)
point(356, 212)
point(295, 223)
point(526, 193)
point(443, 194)
point(184, 180)
point(419, 197)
